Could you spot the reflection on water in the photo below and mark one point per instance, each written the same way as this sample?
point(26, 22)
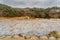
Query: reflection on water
point(28, 27)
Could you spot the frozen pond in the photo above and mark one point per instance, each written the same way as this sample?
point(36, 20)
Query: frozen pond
point(29, 27)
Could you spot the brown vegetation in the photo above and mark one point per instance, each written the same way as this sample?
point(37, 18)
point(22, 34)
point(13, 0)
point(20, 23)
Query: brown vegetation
point(7, 11)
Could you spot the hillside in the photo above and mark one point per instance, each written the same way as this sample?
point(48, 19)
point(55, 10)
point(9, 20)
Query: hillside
point(7, 11)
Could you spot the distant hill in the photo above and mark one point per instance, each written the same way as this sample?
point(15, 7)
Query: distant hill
point(7, 11)
point(4, 6)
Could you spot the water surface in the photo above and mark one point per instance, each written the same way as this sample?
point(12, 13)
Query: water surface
point(29, 27)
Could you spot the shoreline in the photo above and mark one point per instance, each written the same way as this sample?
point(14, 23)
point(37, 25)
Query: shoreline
point(24, 18)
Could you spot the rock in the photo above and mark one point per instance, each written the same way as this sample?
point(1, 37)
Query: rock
point(58, 35)
point(16, 36)
point(43, 38)
point(27, 37)
point(2, 37)
point(52, 38)
point(20, 38)
point(7, 38)
point(34, 38)
point(58, 38)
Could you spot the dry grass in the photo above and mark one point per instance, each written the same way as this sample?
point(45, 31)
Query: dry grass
point(24, 18)
point(18, 18)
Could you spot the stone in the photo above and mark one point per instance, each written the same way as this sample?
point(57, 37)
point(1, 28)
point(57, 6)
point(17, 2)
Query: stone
point(43, 38)
point(58, 35)
point(52, 38)
point(34, 38)
point(58, 38)
point(27, 36)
